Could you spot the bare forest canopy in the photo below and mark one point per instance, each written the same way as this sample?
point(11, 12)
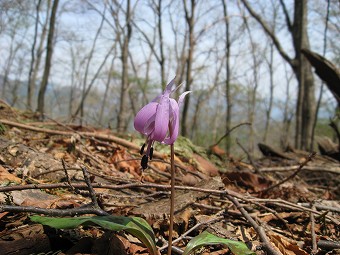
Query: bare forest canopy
point(98, 62)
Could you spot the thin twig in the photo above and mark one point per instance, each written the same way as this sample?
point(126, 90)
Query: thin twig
point(322, 168)
point(67, 176)
point(228, 132)
point(250, 158)
point(322, 207)
point(90, 188)
point(312, 229)
point(310, 157)
point(260, 231)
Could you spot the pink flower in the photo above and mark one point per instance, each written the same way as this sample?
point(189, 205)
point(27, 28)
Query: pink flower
point(159, 121)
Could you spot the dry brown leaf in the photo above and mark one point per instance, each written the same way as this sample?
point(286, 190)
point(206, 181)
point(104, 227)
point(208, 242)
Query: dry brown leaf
point(205, 166)
point(5, 176)
point(285, 246)
point(267, 217)
point(246, 179)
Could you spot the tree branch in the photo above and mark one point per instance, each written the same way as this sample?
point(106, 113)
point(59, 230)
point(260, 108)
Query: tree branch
point(285, 11)
point(267, 30)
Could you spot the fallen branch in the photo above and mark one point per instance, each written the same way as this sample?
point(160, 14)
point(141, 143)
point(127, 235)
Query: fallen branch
point(313, 235)
point(259, 229)
point(90, 135)
point(52, 212)
point(321, 168)
point(310, 156)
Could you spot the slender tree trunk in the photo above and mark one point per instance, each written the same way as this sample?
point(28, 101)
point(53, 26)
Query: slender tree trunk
point(271, 91)
point(7, 69)
point(107, 86)
point(287, 115)
point(88, 88)
point(228, 75)
point(124, 93)
point(13, 50)
point(190, 18)
point(36, 60)
point(87, 68)
point(30, 87)
point(72, 91)
point(48, 60)
point(161, 44)
point(252, 91)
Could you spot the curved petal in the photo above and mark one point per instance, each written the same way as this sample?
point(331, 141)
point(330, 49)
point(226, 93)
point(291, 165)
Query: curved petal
point(149, 126)
point(177, 87)
point(144, 115)
point(181, 97)
point(174, 123)
point(168, 90)
point(162, 119)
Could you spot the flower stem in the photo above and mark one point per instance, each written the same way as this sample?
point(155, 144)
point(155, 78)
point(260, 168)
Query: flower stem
point(172, 198)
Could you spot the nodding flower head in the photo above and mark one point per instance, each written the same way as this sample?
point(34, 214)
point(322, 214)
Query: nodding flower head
point(159, 121)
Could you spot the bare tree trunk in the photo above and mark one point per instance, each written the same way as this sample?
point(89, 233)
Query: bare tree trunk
point(287, 115)
point(306, 98)
point(161, 44)
point(36, 59)
point(159, 54)
point(48, 60)
point(322, 84)
point(34, 64)
point(179, 49)
point(107, 86)
point(228, 75)
point(16, 85)
point(88, 88)
point(13, 50)
point(124, 93)
point(270, 63)
point(271, 92)
point(30, 86)
point(305, 106)
point(252, 91)
point(89, 59)
point(190, 19)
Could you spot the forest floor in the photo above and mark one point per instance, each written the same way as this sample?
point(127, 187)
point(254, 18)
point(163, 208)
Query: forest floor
point(287, 202)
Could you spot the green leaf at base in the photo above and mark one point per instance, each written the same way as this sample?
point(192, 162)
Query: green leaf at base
point(205, 238)
point(136, 226)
